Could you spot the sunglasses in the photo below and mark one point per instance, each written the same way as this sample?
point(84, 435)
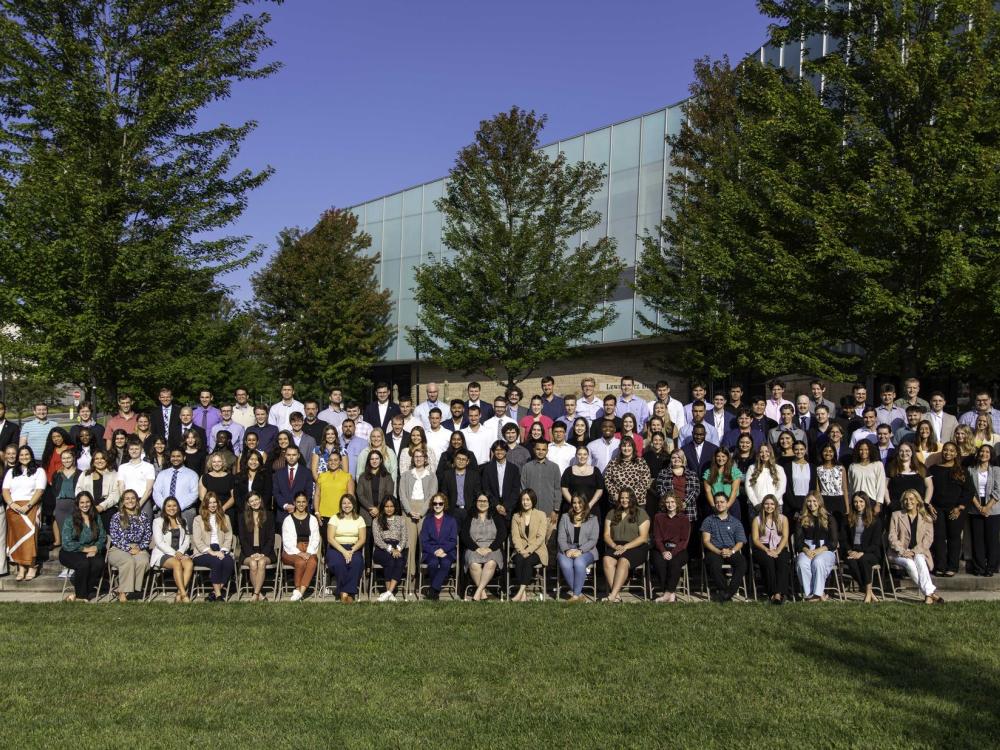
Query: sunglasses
point(437, 505)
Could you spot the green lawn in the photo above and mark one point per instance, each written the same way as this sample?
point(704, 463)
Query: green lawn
point(499, 675)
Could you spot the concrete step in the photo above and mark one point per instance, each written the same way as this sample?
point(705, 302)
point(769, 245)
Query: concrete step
point(47, 579)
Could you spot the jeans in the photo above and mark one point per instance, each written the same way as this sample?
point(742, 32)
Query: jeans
point(574, 570)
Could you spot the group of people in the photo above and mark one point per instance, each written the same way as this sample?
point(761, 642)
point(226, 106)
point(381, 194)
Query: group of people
point(471, 489)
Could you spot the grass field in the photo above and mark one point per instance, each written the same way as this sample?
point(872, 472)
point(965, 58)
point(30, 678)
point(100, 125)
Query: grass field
point(496, 675)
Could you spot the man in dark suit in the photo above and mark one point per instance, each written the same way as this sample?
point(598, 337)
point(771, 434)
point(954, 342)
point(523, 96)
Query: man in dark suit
point(397, 438)
point(699, 451)
point(165, 420)
point(290, 481)
point(485, 410)
point(9, 432)
point(461, 485)
point(379, 413)
point(503, 494)
point(458, 419)
point(187, 425)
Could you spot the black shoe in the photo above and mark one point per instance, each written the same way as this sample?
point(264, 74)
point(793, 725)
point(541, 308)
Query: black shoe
point(988, 574)
point(210, 598)
point(433, 595)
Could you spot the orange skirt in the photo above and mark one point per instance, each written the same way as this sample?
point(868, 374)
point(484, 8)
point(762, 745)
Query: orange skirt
point(22, 535)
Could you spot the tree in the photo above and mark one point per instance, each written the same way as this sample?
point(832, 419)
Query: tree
point(894, 181)
point(325, 320)
point(112, 194)
point(518, 290)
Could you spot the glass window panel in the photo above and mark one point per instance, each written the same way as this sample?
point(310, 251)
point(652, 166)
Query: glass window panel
point(413, 201)
point(411, 235)
point(359, 212)
point(393, 206)
point(621, 329)
point(625, 145)
point(373, 211)
point(639, 327)
point(409, 283)
point(432, 191)
point(551, 150)
point(814, 47)
point(792, 58)
point(772, 55)
point(597, 149)
point(431, 233)
point(573, 149)
point(392, 232)
point(375, 230)
point(390, 276)
point(653, 131)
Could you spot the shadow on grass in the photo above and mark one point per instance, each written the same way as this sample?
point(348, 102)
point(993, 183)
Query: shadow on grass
point(932, 692)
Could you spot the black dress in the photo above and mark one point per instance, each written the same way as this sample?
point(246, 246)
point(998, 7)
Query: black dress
point(222, 486)
point(583, 486)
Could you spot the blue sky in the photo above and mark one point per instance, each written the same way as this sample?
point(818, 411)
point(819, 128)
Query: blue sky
point(377, 96)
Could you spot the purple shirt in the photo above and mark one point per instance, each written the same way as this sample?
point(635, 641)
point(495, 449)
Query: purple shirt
point(206, 417)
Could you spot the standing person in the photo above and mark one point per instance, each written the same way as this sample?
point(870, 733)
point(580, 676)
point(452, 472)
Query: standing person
point(515, 409)
point(312, 425)
point(422, 411)
point(501, 481)
point(130, 533)
point(256, 542)
point(585, 480)
point(863, 543)
point(10, 433)
point(179, 482)
point(171, 543)
point(288, 481)
point(23, 487)
point(221, 481)
point(911, 397)
point(417, 485)
point(817, 390)
point(242, 409)
point(577, 537)
point(266, 434)
point(588, 405)
point(373, 484)
point(439, 543)
point(332, 485)
point(461, 483)
point(206, 414)
point(230, 425)
point(418, 439)
point(63, 489)
point(801, 479)
point(723, 538)
point(984, 516)
point(535, 415)
point(125, 419)
point(764, 478)
point(144, 431)
point(83, 547)
point(984, 405)
point(724, 477)
point(888, 413)
point(627, 471)
point(389, 549)
point(866, 473)
point(302, 439)
point(831, 483)
point(953, 492)
point(478, 438)
point(376, 443)
point(543, 478)
point(85, 420)
point(772, 409)
point(816, 538)
point(300, 543)
point(483, 534)
point(911, 533)
point(35, 432)
point(474, 389)
point(680, 481)
point(165, 419)
point(346, 535)
point(770, 534)
point(528, 532)
point(329, 444)
point(552, 405)
point(906, 473)
point(604, 448)
point(379, 413)
point(101, 482)
point(671, 533)
point(279, 413)
point(941, 422)
point(335, 413)
point(137, 475)
point(212, 543)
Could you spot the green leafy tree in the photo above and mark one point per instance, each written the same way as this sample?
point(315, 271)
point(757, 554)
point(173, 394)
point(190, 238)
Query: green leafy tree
point(325, 320)
point(114, 196)
point(518, 289)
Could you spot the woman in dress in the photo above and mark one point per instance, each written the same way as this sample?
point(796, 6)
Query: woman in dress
point(218, 480)
point(194, 452)
point(953, 492)
point(171, 544)
point(626, 539)
point(23, 487)
point(584, 479)
point(85, 447)
point(483, 535)
point(256, 542)
point(831, 483)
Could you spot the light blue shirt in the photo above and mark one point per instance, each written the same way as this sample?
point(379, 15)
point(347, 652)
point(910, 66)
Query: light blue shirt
point(711, 435)
point(636, 407)
point(969, 418)
point(352, 449)
point(36, 433)
point(186, 490)
point(234, 429)
point(602, 451)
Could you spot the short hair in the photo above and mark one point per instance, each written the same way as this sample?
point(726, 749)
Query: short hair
point(588, 379)
point(888, 388)
point(381, 384)
point(777, 382)
point(308, 401)
point(558, 426)
point(914, 409)
point(498, 445)
point(744, 412)
point(499, 398)
point(474, 384)
point(818, 382)
point(434, 410)
point(395, 417)
point(911, 380)
point(296, 415)
point(474, 407)
point(937, 393)
point(548, 379)
point(787, 407)
point(405, 400)
point(699, 426)
point(609, 397)
point(569, 397)
point(40, 403)
point(260, 407)
point(289, 383)
point(824, 407)
point(165, 389)
point(457, 401)
point(734, 386)
point(515, 389)
point(352, 405)
point(510, 427)
point(662, 384)
point(121, 397)
point(699, 384)
point(858, 386)
point(869, 409)
point(758, 400)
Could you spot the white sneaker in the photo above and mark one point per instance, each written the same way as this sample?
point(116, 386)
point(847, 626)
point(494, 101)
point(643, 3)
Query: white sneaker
point(296, 595)
point(65, 573)
point(385, 596)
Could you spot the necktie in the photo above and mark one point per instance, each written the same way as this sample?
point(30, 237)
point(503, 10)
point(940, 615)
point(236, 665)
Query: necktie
point(805, 422)
point(291, 475)
point(173, 483)
point(204, 418)
point(166, 419)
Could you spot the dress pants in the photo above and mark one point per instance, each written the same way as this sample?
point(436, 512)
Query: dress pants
point(727, 588)
point(220, 571)
point(774, 571)
point(348, 575)
point(813, 573)
point(947, 546)
point(393, 568)
point(916, 568)
point(131, 569)
point(574, 570)
point(438, 569)
point(86, 571)
point(861, 569)
point(668, 572)
point(305, 570)
point(524, 567)
point(985, 533)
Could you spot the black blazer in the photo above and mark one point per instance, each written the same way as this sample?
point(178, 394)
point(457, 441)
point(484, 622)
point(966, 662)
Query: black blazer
point(9, 434)
point(472, 488)
point(871, 540)
point(789, 493)
point(156, 422)
point(814, 533)
point(371, 415)
point(698, 467)
point(177, 441)
point(261, 485)
point(465, 532)
point(506, 495)
point(397, 446)
point(266, 539)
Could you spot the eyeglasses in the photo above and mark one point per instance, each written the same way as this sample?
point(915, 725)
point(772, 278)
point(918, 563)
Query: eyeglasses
point(437, 505)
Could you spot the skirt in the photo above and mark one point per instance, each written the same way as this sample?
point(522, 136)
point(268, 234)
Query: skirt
point(635, 556)
point(22, 536)
point(474, 558)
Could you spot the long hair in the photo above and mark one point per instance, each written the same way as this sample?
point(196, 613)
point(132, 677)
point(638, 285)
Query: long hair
point(931, 445)
point(633, 508)
point(520, 506)
point(636, 458)
point(165, 519)
point(384, 448)
point(254, 518)
point(119, 456)
point(727, 470)
point(220, 515)
point(50, 447)
point(354, 506)
point(821, 516)
point(244, 459)
point(769, 464)
point(584, 514)
point(125, 517)
point(896, 463)
point(957, 471)
point(27, 470)
point(382, 521)
point(867, 515)
point(965, 440)
point(763, 517)
point(919, 500)
point(92, 517)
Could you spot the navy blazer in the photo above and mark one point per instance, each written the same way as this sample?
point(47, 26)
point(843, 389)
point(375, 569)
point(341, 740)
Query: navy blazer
point(511, 490)
point(698, 467)
point(285, 494)
point(430, 540)
point(371, 415)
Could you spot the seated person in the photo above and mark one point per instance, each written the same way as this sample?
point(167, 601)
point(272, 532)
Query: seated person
point(626, 534)
point(528, 533)
point(864, 542)
point(578, 533)
point(723, 538)
point(130, 534)
point(345, 557)
point(911, 533)
point(817, 542)
point(256, 542)
point(300, 541)
point(389, 536)
point(82, 550)
point(671, 533)
point(483, 534)
point(212, 543)
point(769, 533)
point(439, 544)
point(171, 543)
